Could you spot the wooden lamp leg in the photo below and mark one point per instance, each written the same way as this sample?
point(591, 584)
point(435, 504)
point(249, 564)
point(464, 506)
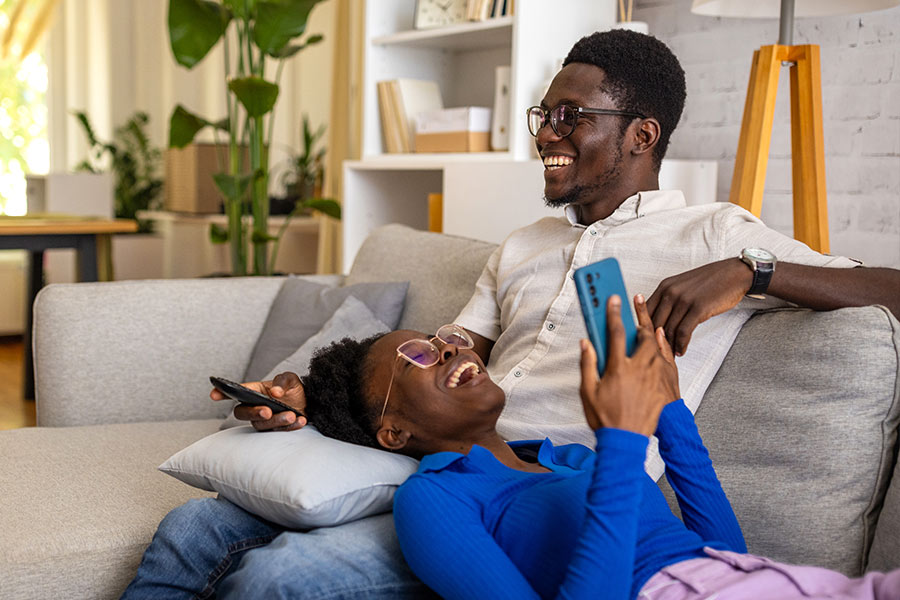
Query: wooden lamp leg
point(808, 149)
point(749, 179)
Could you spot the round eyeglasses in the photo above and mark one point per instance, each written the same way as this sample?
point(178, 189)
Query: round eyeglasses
point(423, 353)
point(564, 117)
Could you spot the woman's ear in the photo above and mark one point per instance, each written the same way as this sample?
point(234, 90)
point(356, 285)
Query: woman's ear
point(392, 438)
point(646, 136)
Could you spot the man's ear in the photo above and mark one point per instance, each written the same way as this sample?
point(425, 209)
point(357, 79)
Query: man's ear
point(391, 437)
point(646, 136)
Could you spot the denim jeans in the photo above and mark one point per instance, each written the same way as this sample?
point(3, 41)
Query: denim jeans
point(210, 548)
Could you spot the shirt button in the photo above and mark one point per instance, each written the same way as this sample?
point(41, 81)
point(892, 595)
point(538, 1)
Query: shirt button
point(593, 231)
point(551, 326)
point(518, 373)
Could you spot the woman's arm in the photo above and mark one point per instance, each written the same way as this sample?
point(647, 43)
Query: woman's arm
point(705, 508)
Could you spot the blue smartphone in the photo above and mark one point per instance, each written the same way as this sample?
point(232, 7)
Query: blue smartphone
point(595, 283)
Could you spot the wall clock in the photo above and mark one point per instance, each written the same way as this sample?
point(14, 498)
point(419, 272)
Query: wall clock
point(438, 13)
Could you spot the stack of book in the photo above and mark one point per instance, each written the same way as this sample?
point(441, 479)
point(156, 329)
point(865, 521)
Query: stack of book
point(399, 101)
point(479, 10)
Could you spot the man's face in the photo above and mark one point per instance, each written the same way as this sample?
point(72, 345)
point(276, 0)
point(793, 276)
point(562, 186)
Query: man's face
point(584, 168)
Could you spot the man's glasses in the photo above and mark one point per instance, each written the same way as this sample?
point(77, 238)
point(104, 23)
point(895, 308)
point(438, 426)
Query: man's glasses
point(423, 353)
point(564, 117)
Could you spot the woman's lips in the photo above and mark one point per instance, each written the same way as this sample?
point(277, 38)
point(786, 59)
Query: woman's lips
point(464, 372)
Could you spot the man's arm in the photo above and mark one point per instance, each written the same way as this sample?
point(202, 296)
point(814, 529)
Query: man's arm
point(681, 302)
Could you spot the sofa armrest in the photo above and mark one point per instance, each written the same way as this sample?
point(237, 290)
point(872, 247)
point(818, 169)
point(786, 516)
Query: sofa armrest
point(143, 350)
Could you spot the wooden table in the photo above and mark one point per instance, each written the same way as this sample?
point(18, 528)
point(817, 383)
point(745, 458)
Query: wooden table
point(90, 237)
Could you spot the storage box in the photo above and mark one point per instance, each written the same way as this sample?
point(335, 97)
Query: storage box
point(465, 129)
point(189, 184)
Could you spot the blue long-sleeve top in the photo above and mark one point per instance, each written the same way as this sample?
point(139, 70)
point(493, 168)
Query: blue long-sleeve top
point(595, 526)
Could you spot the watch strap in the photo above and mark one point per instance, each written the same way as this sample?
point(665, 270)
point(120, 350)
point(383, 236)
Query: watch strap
point(762, 275)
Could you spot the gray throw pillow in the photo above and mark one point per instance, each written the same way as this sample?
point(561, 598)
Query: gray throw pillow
point(352, 319)
point(301, 308)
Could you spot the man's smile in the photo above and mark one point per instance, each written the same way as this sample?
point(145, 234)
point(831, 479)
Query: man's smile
point(554, 162)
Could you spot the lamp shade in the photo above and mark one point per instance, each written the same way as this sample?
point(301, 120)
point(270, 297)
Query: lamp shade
point(802, 8)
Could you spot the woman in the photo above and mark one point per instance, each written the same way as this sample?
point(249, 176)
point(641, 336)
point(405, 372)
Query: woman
point(485, 519)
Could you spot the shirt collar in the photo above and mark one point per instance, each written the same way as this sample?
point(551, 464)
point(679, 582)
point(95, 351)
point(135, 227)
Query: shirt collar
point(634, 207)
point(442, 460)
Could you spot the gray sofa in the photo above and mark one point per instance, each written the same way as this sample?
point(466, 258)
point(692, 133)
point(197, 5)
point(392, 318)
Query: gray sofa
point(801, 420)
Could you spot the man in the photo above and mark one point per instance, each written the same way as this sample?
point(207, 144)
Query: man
point(602, 130)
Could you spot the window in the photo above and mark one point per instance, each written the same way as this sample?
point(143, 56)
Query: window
point(23, 112)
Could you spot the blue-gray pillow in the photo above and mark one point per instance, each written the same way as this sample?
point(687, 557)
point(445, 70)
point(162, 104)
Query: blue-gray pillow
point(302, 307)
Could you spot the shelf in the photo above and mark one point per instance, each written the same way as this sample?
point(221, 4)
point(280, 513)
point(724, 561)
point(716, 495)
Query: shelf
point(490, 33)
point(426, 161)
point(297, 224)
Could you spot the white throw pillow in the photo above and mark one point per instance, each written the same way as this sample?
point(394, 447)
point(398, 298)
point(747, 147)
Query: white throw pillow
point(298, 479)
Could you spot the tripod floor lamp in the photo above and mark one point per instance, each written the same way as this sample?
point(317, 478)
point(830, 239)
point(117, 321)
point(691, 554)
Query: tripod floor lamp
point(807, 137)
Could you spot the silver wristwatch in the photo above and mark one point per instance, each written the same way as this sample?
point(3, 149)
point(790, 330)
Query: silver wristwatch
point(762, 263)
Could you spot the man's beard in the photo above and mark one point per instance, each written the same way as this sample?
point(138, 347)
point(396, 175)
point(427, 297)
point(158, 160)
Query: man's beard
point(579, 193)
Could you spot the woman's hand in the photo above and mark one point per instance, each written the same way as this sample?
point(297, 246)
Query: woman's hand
point(633, 390)
point(285, 387)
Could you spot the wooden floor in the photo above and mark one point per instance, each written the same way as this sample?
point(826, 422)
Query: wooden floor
point(15, 411)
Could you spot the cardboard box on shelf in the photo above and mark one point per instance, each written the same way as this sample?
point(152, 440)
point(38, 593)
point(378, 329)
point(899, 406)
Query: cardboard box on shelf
point(464, 129)
point(189, 186)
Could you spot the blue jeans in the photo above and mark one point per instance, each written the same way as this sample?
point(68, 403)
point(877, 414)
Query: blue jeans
point(210, 548)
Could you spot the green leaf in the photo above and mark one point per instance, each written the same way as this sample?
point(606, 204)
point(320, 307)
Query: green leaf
point(232, 187)
point(290, 49)
point(217, 234)
point(195, 26)
point(86, 125)
point(277, 23)
point(183, 126)
point(257, 95)
point(261, 237)
point(325, 206)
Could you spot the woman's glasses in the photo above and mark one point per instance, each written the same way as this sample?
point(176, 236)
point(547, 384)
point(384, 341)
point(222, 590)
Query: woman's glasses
point(563, 117)
point(423, 353)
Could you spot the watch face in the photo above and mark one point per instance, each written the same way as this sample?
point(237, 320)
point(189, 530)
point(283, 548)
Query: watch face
point(759, 254)
point(437, 13)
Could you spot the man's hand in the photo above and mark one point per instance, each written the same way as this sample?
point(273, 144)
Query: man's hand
point(682, 302)
point(633, 390)
point(285, 387)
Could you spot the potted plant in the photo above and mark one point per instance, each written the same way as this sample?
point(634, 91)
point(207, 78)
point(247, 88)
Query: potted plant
point(134, 162)
point(254, 33)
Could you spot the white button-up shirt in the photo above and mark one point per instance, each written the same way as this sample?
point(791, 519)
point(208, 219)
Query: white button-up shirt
point(525, 300)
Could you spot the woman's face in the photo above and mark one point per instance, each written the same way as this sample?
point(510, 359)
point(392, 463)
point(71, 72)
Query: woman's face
point(448, 402)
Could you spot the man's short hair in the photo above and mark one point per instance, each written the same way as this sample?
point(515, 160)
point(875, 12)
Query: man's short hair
point(642, 75)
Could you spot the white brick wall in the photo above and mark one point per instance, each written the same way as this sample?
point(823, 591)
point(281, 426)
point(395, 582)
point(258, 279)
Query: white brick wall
point(861, 105)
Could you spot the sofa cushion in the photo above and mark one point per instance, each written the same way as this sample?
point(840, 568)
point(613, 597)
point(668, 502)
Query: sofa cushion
point(437, 293)
point(299, 479)
point(302, 307)
point(82, 503)
point(802, 430)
